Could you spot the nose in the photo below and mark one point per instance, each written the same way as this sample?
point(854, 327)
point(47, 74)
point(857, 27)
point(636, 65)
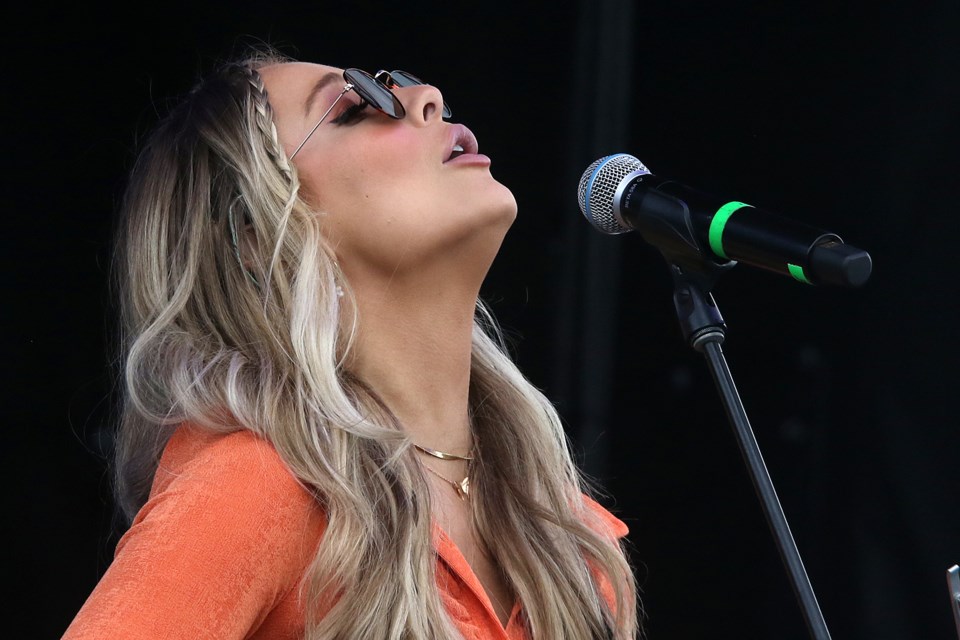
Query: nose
point(423, 103)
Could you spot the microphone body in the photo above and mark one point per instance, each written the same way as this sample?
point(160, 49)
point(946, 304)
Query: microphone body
point(619, 194)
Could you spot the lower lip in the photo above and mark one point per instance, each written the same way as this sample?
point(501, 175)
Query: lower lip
point(473, 159)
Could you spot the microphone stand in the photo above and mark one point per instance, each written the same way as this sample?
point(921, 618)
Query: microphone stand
point(704, 329)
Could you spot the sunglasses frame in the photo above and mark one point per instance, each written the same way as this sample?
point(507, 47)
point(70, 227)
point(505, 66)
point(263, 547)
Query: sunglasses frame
point(376, 91)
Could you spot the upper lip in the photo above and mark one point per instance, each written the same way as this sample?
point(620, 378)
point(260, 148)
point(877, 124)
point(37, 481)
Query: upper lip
point(460, 135)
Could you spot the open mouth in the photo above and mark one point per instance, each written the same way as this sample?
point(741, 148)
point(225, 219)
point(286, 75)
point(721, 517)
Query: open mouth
point(462, 142)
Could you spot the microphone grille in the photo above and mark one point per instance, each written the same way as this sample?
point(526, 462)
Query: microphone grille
point(598, 188)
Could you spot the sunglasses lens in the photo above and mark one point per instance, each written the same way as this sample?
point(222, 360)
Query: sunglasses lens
point(375, 93)
point(404, 79)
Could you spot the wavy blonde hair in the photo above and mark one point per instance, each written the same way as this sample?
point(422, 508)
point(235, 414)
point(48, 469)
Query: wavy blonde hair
point(238, 330)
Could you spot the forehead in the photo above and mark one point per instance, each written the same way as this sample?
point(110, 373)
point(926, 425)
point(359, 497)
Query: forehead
point(291, 85)
point(294, 86)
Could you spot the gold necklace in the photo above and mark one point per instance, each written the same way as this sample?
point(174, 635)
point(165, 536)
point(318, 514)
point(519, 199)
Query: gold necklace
point(462, 488)
point(441, 454)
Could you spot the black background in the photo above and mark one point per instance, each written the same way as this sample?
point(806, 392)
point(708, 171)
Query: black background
point(842, 115)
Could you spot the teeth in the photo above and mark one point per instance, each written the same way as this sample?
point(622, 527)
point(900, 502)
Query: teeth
point(456, 151)
point(458, 147)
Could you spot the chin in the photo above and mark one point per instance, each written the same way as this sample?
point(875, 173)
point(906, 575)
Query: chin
point(503, 205)
point(477, 237)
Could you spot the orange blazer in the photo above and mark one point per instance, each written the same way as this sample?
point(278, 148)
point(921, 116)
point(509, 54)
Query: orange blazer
point(220, 547)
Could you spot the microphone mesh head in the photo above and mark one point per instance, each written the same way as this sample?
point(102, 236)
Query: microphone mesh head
point(598, 187)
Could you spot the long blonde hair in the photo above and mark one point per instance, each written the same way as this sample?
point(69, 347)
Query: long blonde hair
point(231, 319)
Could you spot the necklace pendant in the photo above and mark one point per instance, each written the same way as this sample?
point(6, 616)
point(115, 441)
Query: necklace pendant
point(463, 488)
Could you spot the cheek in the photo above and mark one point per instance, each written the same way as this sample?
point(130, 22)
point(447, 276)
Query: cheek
point(369, 170)
point(375, 192)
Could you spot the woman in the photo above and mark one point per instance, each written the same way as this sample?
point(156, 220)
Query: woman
point(320, 437)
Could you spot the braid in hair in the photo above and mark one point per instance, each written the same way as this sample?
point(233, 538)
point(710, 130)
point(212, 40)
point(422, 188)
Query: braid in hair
point(263, 116)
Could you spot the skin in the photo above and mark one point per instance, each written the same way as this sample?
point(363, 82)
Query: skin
point(415, 238)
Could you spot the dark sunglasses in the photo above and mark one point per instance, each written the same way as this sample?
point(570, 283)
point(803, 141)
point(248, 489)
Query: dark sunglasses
point(375, 90)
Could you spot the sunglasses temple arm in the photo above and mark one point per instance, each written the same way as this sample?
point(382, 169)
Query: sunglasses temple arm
point(322, 118)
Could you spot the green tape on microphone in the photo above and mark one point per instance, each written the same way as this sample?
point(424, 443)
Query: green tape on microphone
point(797, 272)
point(717, 224)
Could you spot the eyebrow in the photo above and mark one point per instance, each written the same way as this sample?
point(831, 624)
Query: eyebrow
point(317, 88)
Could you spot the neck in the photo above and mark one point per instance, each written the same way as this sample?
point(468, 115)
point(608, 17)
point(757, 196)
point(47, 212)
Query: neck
point(414, 349)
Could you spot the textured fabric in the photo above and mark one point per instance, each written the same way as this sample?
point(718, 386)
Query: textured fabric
point(220, 547)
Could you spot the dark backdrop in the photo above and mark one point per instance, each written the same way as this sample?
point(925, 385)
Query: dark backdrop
point(839, 114)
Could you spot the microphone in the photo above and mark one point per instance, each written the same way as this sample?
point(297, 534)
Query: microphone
point(617, 193)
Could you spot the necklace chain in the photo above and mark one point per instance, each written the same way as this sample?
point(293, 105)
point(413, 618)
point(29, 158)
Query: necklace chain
point(462, 488)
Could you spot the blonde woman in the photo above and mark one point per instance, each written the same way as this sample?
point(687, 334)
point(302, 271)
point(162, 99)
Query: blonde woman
point(322, 436)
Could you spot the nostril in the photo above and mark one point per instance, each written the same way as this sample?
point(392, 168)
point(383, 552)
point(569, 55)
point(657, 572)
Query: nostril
point(428, 110)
